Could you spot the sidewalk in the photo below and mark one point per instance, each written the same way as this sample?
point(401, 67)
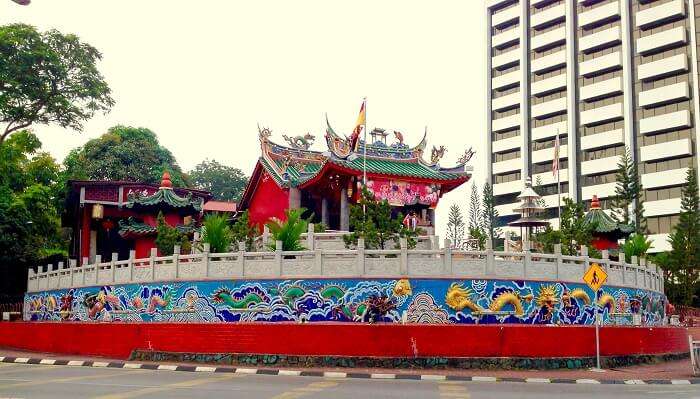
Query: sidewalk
point(662, 373)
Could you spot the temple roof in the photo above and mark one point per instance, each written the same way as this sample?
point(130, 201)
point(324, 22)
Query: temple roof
point(604, 224)
point(165, 197)
point(132, 228)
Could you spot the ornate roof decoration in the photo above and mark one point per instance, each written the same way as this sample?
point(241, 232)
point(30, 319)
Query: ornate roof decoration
point(603, 224)
point(296, 165)
point(164, 197)
point(131, 228)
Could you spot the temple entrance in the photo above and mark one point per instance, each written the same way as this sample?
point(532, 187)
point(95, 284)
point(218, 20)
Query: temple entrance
point(109, 241)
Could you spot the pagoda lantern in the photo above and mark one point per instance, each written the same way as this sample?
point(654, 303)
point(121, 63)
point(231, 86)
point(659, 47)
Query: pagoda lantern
point(605, 230)
point(529, 210)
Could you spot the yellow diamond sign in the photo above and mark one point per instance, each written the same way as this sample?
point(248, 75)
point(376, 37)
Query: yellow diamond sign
point(595, 277)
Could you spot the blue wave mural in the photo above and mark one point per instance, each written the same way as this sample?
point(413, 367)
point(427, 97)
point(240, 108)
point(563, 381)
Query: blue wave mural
point(349, 300)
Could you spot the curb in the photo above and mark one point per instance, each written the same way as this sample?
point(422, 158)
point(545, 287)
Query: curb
point(337, 374)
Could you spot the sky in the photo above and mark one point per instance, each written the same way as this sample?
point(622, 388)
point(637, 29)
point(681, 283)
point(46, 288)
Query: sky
point(203, 74)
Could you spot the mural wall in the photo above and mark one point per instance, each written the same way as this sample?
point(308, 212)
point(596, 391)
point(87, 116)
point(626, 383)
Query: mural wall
point(349, 300)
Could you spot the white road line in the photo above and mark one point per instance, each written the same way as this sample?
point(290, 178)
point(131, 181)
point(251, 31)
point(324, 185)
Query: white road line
point(76, 363)
point(484, 379)
point(100, 364)
point(539, 380)
point(332, 374)
point(22, 360)
point(132, 365)
point(47, 361)
point(205, 369)
point(587, 381)
point(382, 376)
point(289, 372)
point(432, 377)
point(246, 371)
point(167, 367)
point(680, 382)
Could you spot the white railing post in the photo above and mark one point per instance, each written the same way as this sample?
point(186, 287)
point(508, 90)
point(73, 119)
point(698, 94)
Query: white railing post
point(558, 260)
point(241, 256)
point(490, 261)
point(310, 244)
point(98, 260)
point(152, 261)
point(83, 266)
point(586, 261)
point(318, 259)
point(278, 258)
point(176, 261)
point(447, 258)
point(265, 237)
point(360, 257)
point(403, 243)
point(113, 266)
point(527, 258)
point(71, 266)
point(132, 256)
point(205, 257)
point(606, 260)
point(636, 271)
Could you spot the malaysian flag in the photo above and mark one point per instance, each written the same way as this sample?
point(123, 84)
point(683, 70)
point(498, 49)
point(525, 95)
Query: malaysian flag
point(555, 162)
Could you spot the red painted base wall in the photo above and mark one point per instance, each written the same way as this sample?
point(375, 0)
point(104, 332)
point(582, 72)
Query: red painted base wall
point(117, 340)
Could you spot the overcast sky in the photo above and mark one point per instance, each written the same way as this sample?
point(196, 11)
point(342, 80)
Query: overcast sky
point(202, 74)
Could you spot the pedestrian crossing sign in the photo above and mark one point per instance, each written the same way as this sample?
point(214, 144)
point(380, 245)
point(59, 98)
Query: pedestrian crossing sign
point(595, 277)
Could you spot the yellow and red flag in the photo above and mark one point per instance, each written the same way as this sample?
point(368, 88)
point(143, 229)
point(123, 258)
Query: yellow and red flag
point(359, 125)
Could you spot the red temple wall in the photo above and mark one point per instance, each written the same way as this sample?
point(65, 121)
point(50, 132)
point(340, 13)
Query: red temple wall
point(269, 200)
point(321, 339)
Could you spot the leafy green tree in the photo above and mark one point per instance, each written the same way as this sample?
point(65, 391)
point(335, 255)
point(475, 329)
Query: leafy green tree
point(48, 78)
point(574, 232)
point(124, 153)
point(547, 239)
point(375, 224)
point(245, 232)
point(683, 265)
point(455, 225)
point(167, 237)
point(635, 245)
point(226, 183)
point(490, 215)
point(289, 231)
point(217, 233)
point(628, 193)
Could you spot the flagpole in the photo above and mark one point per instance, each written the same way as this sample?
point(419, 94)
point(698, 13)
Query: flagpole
point(364, 149)
point(558, 180)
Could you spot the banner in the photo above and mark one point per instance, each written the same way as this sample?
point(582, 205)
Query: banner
point(400, 193)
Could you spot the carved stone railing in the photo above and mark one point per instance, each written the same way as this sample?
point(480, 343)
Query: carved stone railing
point(361, 263)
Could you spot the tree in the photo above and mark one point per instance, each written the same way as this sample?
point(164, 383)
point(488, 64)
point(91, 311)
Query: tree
point(124, 153)
point(684, 259)
point(490, 215)
point(245, 232)
point(226, 183)
point(476, 228)
point(372, 221)
point(574, 232)
point(168, 237)
point(455, 225)
point(628, 193)
point(217, 233)
point(635, 245)
point(48, 78)
point(288, 231)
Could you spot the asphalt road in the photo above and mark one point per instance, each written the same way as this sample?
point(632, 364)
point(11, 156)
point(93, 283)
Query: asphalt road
point(38, 381)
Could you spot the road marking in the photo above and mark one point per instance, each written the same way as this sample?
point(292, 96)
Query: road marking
point(484, 379)
point(334, 374)
point(132, 365)
point(167, 367)
point(289, 372)
point(67, 379)
point(246, 371)
point(680, 382)
point(538, 380)
point(205, 369)
point(100, 364)
point(587, 381)
point(314, 387)
point(169, 387)
point(451, 389)
point(76, 363)
point(635, 382)
point(47, 361)
point(22, 360)
point(433, 377)
point(382, 376)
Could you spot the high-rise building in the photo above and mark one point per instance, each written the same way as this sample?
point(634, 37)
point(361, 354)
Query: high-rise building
point(604, 75)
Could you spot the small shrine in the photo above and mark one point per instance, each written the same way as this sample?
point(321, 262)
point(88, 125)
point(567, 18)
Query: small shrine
point(116, 216)
point(327, 182)
point(606, 231)
point(530, 207)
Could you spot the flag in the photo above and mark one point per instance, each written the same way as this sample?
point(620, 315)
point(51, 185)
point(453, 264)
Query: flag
point(361, 122)
point(555, 162)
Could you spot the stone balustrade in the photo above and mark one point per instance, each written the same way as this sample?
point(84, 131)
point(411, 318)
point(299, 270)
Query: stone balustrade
point(326, 261)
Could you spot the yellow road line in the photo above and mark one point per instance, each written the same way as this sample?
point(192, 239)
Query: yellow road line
point(314, 387)
point(453, 389)
point(67, 379)
point(169, 387)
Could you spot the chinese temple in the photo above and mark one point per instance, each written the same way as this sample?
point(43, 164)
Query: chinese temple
point(118, 216)
point(606, 231)
point(327, 182)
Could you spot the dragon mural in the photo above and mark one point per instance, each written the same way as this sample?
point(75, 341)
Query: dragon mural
point(416, 300)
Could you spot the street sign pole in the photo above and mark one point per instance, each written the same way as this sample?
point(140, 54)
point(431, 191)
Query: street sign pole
point(597, 337)
point(595, 277)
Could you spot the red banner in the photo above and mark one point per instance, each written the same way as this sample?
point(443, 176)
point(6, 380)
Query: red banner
point(400, 193)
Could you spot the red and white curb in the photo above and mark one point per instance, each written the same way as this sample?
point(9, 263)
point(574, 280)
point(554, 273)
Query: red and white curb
point(333, 374)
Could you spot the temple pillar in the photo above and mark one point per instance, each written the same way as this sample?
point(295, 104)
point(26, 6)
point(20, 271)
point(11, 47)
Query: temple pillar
point(431, 216)
point(324, 211)
point(344, 210)
point(294, 198)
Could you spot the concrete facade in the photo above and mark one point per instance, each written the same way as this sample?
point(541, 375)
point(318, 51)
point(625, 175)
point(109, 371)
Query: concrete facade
point(602, 75)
